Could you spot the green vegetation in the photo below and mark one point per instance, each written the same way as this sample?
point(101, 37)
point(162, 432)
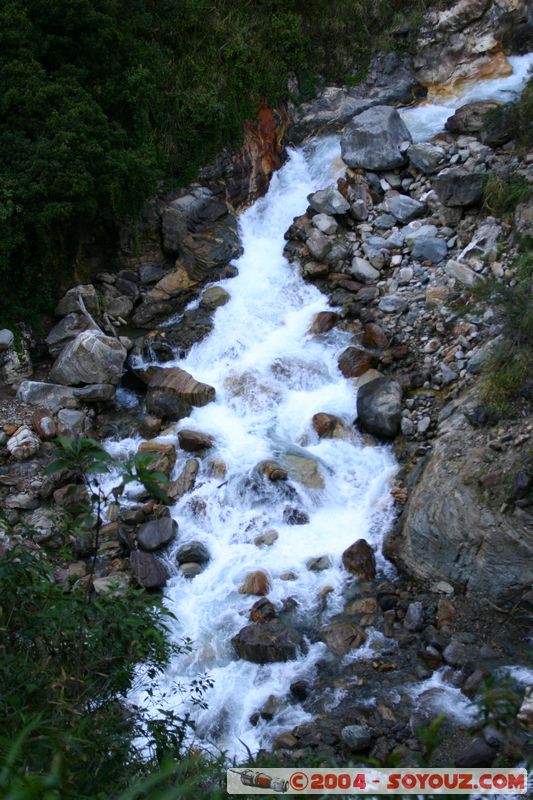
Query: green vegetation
point(68, 659)
point(502, 196)
point(101, 100)
point(511, 361)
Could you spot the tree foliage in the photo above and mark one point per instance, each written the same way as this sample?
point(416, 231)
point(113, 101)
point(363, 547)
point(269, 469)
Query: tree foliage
point(102, 99)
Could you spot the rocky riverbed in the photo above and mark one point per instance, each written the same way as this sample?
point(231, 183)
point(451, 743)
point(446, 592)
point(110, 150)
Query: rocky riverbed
point(395, 241)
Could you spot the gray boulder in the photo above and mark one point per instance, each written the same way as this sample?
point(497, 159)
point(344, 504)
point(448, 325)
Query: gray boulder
point(379, 407)
point(91, 357)
point(69, 302)
point(403, 207)
point(193, 553)
point(329, 201)
point(47, 395)
point(267, 642)
point(434, 250)
point(425, 157)
point(157, 533)
point(172, 393)
point(449, 531)
point(456, 187)
point(372, 139)
point(6, 339)
point(470, 117)
point(364, 271)
point(357, 737)
point(65, 331)
point(148, 570)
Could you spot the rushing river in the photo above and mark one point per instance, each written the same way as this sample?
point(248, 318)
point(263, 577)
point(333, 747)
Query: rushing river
point(271, 375)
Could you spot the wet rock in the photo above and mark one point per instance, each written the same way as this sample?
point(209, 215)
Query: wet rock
point(300, 690)
point(323, 322)
point(355, 361)
point(372, 139)
point(268, 642)
point(150, 426)
point(192, 553)
point(268, 538)
point(214, 297)
point(470, 117)
point(327, 425)
point(148, 570)
point(318, 564)
point(257, 583)
point(71, 422)
point(295, 516)
point(425, 157)
point(156, 534)
point(305, 470)
point(357, 738)
point(163, 453)
point(379, 407)
point(403, 207)
point(190, 569)
point(272, 471)
point(341, 637)
point(172, 392)
point(185, 481)
point(195, 441)
point(285, 741)
point(23, 444)
point(434, 250)
point(91, 357)
point(456, 187)
point(414, 617)
point(363, 271)
point(262, 611)
point(329, 201)
point(359, 560)
point(205, 252)
point(95, 393)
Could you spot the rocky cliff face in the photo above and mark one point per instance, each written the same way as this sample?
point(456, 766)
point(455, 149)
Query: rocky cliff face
point(462, 522)
point(466, 41)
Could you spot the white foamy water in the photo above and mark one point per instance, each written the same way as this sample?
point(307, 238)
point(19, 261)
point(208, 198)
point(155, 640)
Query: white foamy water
point(270, 376)
point(425, 121)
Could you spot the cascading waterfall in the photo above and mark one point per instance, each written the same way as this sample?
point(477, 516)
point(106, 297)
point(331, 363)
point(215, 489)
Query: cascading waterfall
point(271, 375)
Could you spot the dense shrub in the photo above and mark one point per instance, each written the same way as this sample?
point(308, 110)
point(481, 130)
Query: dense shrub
point(510, 365)
point(102, 99)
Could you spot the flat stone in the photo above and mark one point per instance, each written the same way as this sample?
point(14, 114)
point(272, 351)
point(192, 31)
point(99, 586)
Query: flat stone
point(434, 250)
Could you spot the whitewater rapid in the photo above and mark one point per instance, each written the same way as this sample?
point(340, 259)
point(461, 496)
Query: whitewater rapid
point(271, 376)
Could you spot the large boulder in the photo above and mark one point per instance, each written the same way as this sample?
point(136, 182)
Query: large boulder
point(92, 357)
point(372, 139)
point(65, 331)
point(359, 560)
point(148, 570)
point(189, 213)
point(453, 528)
point(70, 302)
point(157, 533)
point(267, 642)
point(390, 79)
point(379, 407)
point(342, 636)
point(470, 118)
point(456, 187)
point(51, 396)
point(464, 41)
point(329, 201)
point(172, 393)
